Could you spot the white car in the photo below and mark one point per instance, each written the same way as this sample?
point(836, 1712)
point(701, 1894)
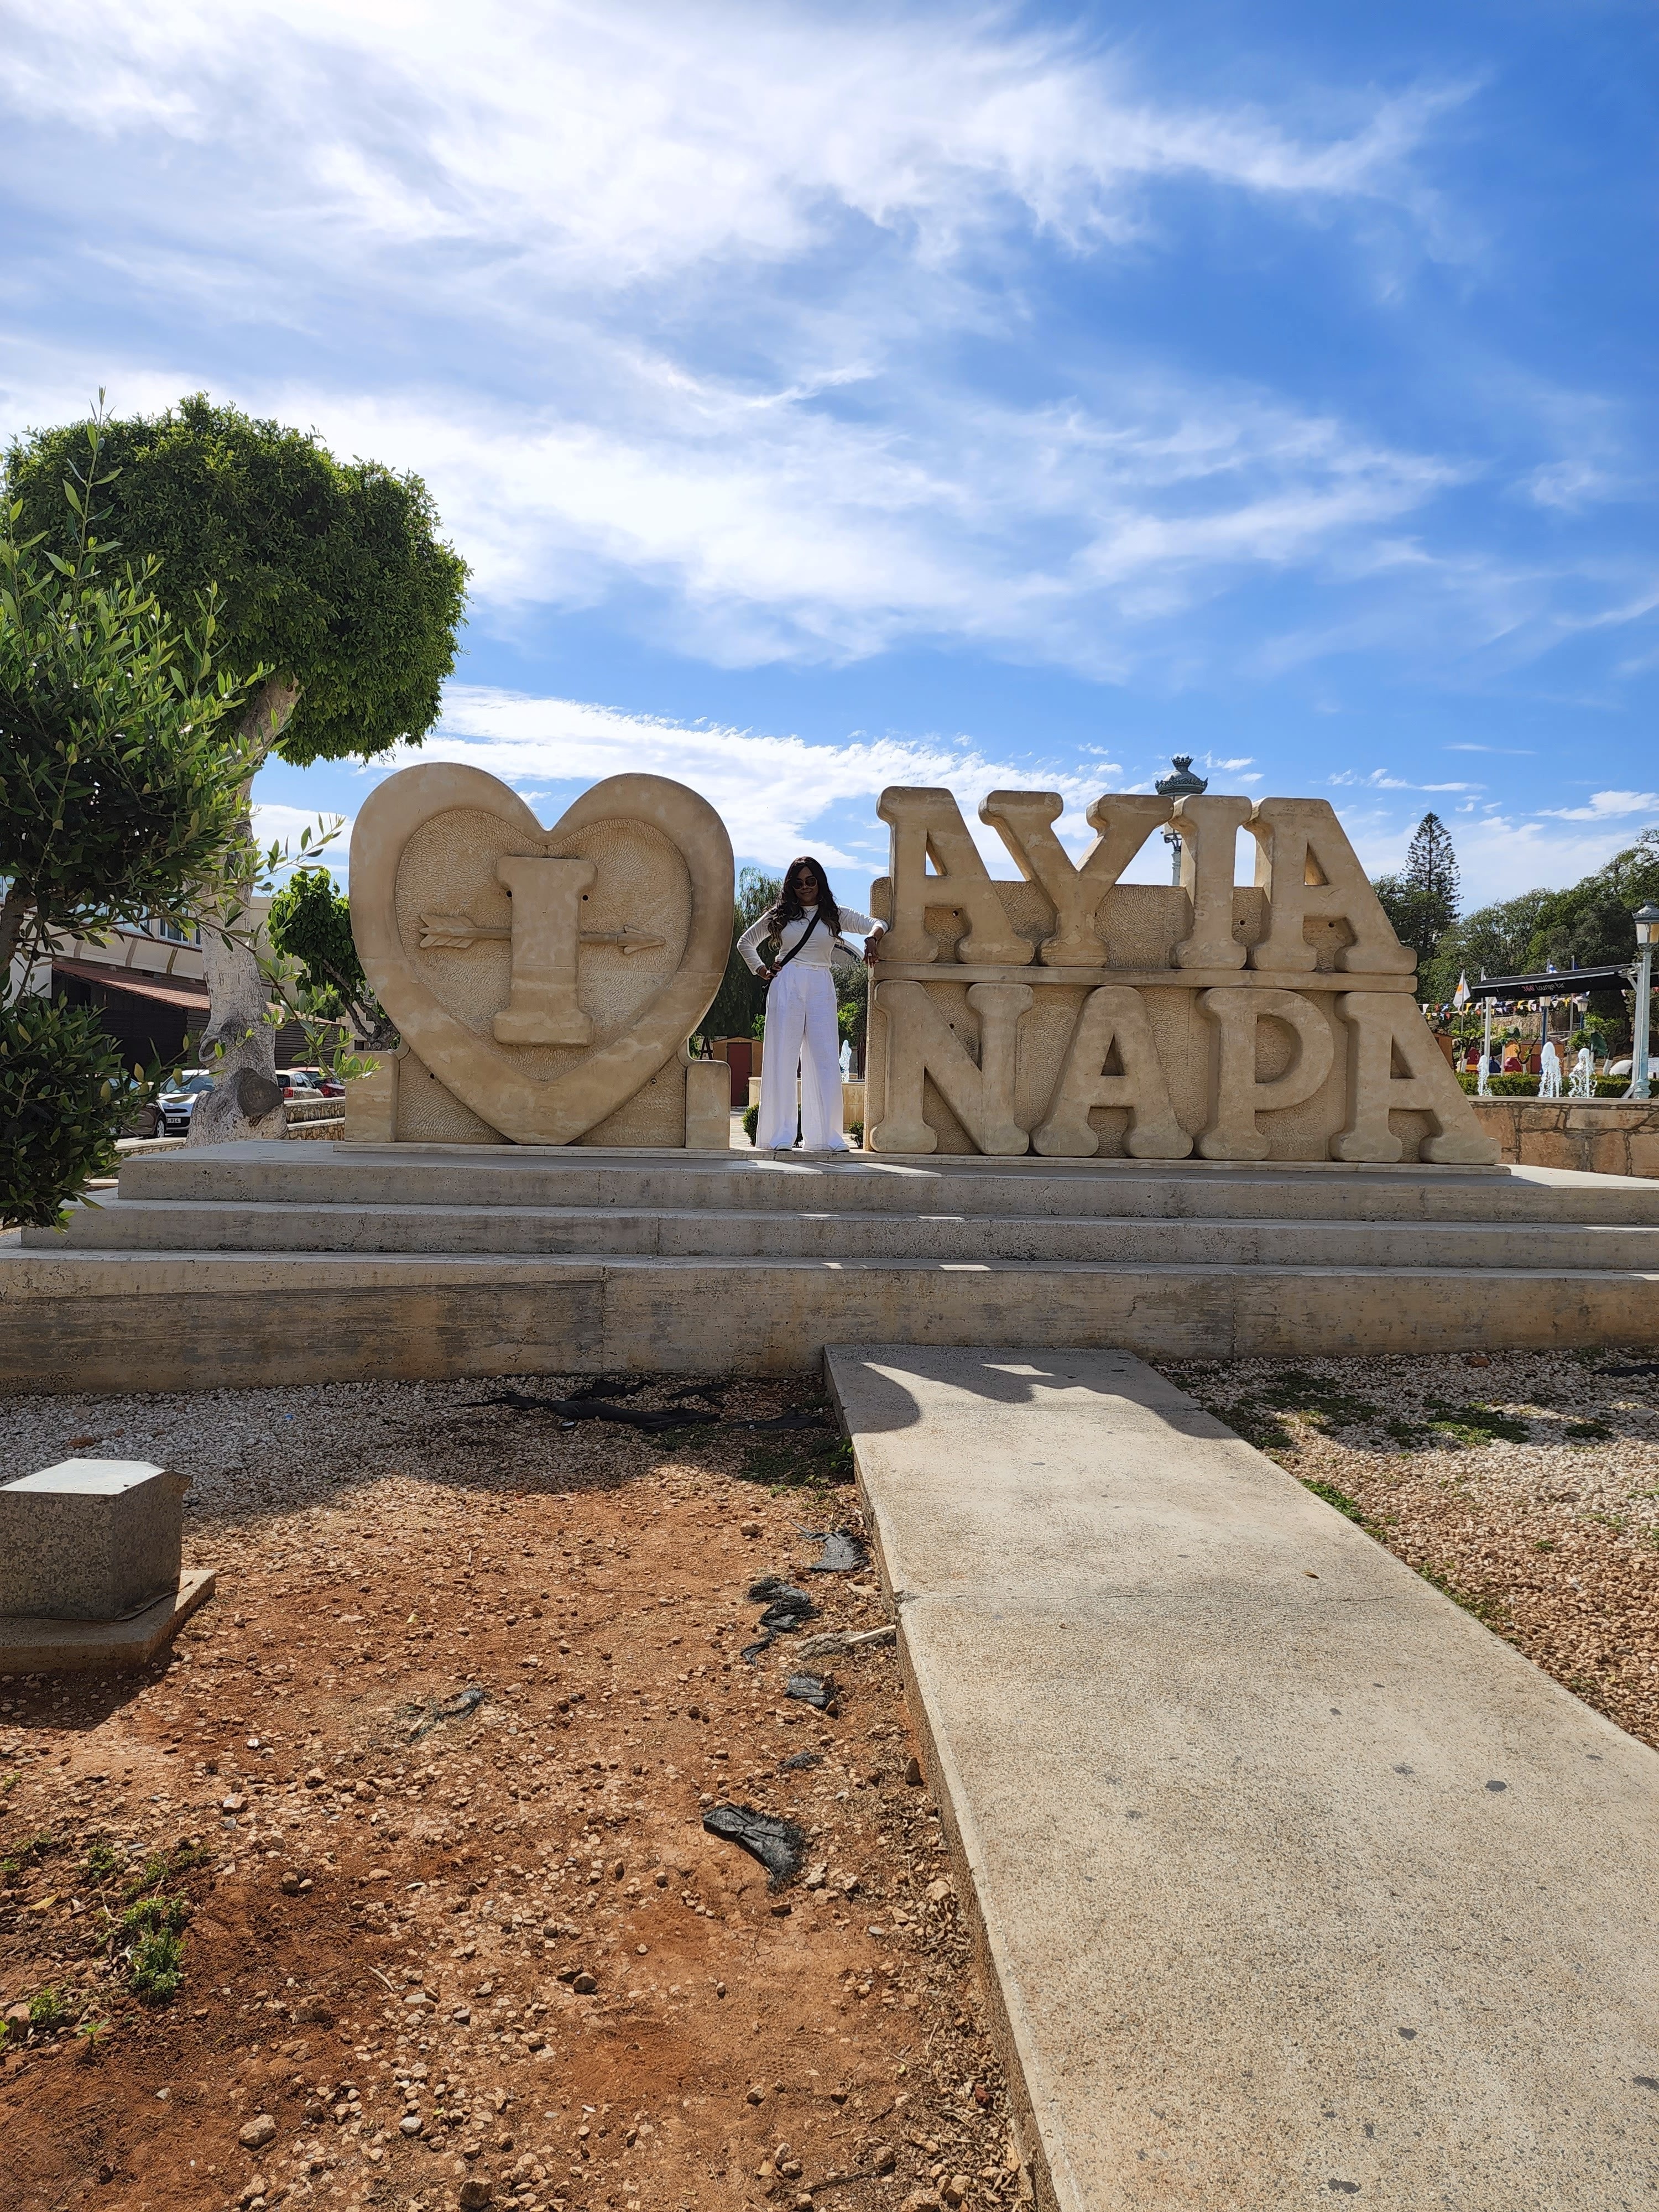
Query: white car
point(1623, 1068)
point(178, 1101)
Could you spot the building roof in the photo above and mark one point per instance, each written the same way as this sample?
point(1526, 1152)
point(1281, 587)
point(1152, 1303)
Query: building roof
point(1561, 983)
point(137, 983)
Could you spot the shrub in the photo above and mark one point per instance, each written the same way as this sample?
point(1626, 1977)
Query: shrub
point(63, 1096)
point(155, 1962)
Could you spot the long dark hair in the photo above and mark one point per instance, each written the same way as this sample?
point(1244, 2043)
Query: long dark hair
point(788, 907)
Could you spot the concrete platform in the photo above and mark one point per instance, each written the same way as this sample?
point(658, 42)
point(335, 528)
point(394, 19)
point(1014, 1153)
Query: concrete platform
point(58, 1647)
point(283, 1263)
point(1295, 1884)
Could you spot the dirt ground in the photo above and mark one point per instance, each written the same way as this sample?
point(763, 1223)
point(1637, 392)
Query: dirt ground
point(1525, 1484)
point(485, 1956)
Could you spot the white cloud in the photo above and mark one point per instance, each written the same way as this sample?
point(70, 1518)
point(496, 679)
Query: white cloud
point(774, 794)
point(277, 822)
point(670, 287)
point(687, 312)
point(1608, 806)
point(620, 146)
point(1378, 778)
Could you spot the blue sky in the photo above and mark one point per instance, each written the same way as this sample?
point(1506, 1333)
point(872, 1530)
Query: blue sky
point(832, 396)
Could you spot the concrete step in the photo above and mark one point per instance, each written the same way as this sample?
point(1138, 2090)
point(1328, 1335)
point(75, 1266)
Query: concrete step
point(217, 1224)
point(204, 1320)
point(1294, 1883)
point(522, 1175)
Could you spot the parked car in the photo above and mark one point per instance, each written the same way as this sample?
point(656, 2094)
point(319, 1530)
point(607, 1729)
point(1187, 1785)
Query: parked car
point(178, 1101)
point(311, 1083)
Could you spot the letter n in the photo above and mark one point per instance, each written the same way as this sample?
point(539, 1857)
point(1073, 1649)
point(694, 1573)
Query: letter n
point(921, 1043)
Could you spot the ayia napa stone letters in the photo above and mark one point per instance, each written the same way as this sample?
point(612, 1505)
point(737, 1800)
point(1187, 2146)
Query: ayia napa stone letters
point(545, 980)
point(1066, 1013)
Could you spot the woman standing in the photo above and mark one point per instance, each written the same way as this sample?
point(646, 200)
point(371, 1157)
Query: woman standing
point(800, 1008)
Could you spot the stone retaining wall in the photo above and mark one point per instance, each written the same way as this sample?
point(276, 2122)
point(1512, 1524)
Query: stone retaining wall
point(1607, 1136)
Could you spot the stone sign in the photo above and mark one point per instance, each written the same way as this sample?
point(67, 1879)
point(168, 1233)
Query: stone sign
point(544, 982)
point(1073, 1015)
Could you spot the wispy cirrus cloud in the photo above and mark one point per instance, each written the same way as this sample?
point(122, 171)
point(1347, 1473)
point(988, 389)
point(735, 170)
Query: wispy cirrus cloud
point(670, 306)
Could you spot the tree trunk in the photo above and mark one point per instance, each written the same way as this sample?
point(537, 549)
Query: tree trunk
point(246, 1100)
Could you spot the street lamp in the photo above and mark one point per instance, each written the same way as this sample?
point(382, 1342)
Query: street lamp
point(1646, 919)
point(1183, 784)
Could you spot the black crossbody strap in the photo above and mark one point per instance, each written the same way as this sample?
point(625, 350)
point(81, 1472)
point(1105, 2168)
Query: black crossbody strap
point(778, 966)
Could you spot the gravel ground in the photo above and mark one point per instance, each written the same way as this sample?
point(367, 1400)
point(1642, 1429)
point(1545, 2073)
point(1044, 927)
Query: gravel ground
point(439, 1955)
point(1525, 1484)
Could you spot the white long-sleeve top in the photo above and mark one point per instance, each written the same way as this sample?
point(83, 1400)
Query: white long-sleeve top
point(816, 951)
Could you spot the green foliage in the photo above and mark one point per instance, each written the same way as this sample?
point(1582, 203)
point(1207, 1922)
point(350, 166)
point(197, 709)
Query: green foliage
point(1421, 901)
point(310, 923)
point(152, 1931)
point(155, 1915)
point(35, 1849)
point(47, 2011)
point(1490, 1611)
point(155, 1972)
point(1476, 1423)
point(121, 776)
point(751, 1122)
point(740, 1003)
point(153, 1871)
point(330, 574)
point(1589, 923)
point(1526, 1086)
point(852, 1004)
point(64, 1096)
point(101, 1863)
point(1333, 1496)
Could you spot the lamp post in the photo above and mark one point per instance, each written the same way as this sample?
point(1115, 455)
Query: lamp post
point(1183, 784)
point(1646, 919)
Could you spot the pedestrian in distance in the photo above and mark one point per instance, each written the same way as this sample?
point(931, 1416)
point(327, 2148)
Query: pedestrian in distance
point(805, 927)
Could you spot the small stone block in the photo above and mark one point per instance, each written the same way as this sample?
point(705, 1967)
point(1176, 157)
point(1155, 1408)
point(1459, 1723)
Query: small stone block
point(92, 1540)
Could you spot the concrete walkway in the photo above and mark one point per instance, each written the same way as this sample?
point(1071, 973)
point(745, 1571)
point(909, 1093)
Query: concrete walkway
point(1295, 1884)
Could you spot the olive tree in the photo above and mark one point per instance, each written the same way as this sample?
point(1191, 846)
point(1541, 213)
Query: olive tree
point(337, 608)
point(122, 773)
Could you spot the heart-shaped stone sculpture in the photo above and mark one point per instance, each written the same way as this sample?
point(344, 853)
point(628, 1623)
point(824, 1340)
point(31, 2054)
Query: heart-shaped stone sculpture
point(543, 975)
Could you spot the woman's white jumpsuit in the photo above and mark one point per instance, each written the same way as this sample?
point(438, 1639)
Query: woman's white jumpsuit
point(801, 1034)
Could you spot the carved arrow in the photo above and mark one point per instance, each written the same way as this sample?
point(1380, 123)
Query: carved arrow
point(442, 933)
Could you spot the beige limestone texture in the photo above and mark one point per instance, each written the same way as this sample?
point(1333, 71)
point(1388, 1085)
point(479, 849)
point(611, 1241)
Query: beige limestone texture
point(1261, 1078)
point(628, 948)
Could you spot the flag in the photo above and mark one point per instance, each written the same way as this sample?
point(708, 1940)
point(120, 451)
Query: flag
point(1461, 995)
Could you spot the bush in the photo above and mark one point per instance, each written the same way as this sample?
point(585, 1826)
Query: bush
point(64, 1096)
point(155, 1960)
point(1526, 1086)
point(751, 1122)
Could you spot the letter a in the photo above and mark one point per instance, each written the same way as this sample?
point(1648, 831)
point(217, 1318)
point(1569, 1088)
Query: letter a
point(1312, 873)
point(928, 825)
point(1112, 1015)
point(1383, 1027)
